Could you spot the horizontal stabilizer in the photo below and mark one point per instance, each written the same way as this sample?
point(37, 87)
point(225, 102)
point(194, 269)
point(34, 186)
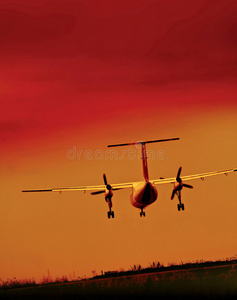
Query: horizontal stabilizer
point(144, 142)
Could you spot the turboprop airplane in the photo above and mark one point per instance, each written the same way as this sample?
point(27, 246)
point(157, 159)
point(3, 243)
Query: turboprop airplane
point(144, 192)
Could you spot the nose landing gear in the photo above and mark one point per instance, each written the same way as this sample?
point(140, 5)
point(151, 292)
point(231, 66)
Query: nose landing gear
point(142, 213)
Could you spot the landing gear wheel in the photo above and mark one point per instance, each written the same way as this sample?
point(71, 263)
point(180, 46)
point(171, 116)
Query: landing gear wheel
point(180, 206)
point(110, 213)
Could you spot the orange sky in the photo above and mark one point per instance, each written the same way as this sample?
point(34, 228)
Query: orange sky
point(85, 74)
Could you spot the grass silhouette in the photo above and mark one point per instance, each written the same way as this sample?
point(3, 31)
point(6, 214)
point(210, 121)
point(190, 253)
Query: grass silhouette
point(200, 279)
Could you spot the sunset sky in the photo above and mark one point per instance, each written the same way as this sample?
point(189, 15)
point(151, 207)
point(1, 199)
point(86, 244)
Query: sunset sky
point(77, 75)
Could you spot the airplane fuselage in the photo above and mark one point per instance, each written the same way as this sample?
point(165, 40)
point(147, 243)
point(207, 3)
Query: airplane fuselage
point(143, 194)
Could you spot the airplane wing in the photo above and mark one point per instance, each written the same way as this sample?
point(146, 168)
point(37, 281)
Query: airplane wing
point(190, 177)
point(83, 188)
point(130, 184)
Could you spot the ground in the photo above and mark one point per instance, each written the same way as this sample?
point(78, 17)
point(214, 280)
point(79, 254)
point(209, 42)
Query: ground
point(215, 282)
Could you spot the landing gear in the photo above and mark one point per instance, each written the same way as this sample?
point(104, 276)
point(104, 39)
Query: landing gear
point(110, 214)
point(180, 206)
point(142, 213)
point(177, 189)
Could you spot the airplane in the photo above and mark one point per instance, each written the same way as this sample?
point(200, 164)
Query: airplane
point(144, 192)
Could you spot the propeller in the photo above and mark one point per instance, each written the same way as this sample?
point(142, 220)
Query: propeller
point(97, 193)
point(173, 193)
point(188, 186)
point(108, 187)
point(180, 185)
point(178, 179)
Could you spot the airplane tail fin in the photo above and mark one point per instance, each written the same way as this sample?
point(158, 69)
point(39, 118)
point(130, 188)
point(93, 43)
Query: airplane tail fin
point(144, 156)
